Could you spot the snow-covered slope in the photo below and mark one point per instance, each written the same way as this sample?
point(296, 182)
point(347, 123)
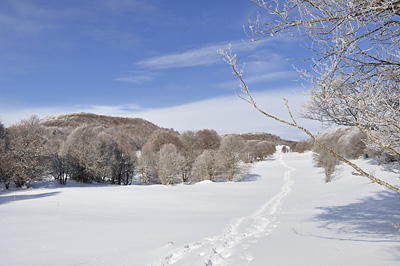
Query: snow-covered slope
point(281, 214)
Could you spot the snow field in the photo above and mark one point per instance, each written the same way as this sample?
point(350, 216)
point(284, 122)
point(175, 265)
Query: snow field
point(283, 214)
point(228, 247)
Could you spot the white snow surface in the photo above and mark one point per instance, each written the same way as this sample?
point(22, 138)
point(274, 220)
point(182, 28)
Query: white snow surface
point(282, 213)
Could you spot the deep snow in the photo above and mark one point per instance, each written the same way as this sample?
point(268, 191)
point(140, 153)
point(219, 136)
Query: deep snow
point(282, 213)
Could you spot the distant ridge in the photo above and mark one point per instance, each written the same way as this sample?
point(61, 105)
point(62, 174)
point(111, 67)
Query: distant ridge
point(262, 136)
point(79, 119)
point(136, 126)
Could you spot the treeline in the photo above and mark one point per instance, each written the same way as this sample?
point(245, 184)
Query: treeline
point(349, 142)
point(89, 148)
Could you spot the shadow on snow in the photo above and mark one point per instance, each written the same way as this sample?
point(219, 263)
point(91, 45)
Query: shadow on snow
point(372, 217)
point(12, 198)
point(248, 178)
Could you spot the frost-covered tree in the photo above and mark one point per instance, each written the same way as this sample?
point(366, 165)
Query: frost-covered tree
point(124, 159)
point(170, 164)
point(162, 137)
point(7, 163)
point(302, 146)
point(264, 149)
point(149, 156)
point(355, 65)
point(148, 165)
point(29, 154)
point(205, 166)
point(189, 151)
point(285, 149)
point(95, 154)
point(349, 142)
point(249, 151)
point(325, 160)
point(229, 155)
point(81, 149)
point(208, 139)
point(257, 150)
point(105, 158)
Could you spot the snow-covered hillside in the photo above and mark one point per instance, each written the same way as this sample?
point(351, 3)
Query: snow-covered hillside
point(280, 214)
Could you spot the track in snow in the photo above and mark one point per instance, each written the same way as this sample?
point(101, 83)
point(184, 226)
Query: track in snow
point(239, 234)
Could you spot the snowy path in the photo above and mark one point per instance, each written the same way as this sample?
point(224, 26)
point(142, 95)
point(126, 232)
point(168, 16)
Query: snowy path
point(238, 235)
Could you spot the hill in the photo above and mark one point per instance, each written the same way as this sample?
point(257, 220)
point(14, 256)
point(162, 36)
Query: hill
point(79, 119)
point(263, 136)
point(136, 125)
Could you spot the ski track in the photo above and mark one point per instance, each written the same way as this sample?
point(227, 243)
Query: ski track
point(239, 232)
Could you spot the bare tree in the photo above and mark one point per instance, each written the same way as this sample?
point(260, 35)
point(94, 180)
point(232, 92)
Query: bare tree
point(325, 160)
point(170, 164)
point(302, 146)
point(125, 159)
point(81, 150)
point(249, 151)
point(257, 150)
point(189, 151)
point(162, 137)
point(27, 143)
point(205, 166)
point(285, 149)
point(148, 165)
point(229, 155)
point(208, 139)
point(149, 156)
point(264, 149)
point(356, 65)
point(7, 162)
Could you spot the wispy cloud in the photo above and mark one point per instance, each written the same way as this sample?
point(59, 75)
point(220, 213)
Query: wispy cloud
point(20, 16)
point(29, 17)
point(263, 78)
point(136, 6)
point(272, 76)
point(113, 110)
point(202, 56)
point(137, 79)
point(196, 57)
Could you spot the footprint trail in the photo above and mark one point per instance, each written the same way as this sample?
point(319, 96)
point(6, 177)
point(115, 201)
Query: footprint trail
point(238, 235)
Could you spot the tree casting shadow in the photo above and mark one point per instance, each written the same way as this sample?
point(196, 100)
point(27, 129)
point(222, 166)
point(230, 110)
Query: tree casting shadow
point(371, 217)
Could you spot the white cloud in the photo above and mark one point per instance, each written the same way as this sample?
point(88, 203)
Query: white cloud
point(12, 115)
point(225, 114)
point(232, 115)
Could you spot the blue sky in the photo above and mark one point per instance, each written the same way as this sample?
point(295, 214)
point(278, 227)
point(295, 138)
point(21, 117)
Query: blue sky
point(152, 59)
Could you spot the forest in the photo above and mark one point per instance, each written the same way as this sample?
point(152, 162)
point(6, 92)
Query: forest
point(91, 148)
